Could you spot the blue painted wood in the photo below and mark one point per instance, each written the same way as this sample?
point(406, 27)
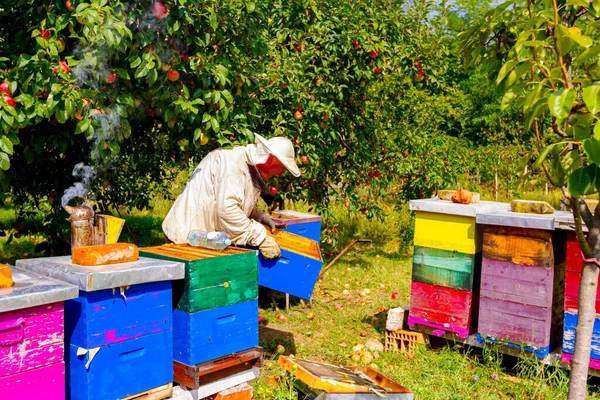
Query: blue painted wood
point(122, 369)
point(540, 352)
point(569, 334)
point(106, 316)
point(209, 334)
point(311, 230)
point(291, 273)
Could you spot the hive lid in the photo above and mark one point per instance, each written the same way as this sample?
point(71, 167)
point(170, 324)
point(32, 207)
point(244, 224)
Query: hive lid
point(291, 217)
point(30, 290)
point(515, 219)
point(447, 207)
point(91, 278)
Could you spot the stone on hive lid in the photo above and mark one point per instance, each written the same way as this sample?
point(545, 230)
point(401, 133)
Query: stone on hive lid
point(531, 207)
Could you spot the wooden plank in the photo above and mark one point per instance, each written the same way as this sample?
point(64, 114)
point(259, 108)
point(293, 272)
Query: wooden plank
point(159, 393)
point(531, 247)
point(31, 338)
point(210, 371)
point(517, 245)
point(446, 268)
point(447, 232)
point(503, 280)
point(570, 326)
point(516, 322)
point(442, 305)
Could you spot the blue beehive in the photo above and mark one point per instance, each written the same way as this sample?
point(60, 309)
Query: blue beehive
point(209, 334)
point(302, 224)
point(119, 332)
point(297, 270)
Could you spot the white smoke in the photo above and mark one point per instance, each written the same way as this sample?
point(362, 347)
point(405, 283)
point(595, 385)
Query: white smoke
point(80, 189)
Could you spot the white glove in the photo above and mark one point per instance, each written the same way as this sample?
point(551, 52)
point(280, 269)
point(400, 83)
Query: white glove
point(269, 248)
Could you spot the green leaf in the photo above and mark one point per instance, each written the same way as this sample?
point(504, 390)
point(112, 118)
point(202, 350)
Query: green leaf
point(250, 6)
point(507, 99)
point(579, 182)
point(6, 145)
point(564, 42)
point(4, 161)
point(591, 97)
point(591, 147)
point(587, 54)
point(561, 102)
point(215, 124)
point(597, 131)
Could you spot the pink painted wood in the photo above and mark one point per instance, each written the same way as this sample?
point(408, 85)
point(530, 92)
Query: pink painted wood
point(31, 338)
point(46, 383)
point(503, 280)
point(566, 358)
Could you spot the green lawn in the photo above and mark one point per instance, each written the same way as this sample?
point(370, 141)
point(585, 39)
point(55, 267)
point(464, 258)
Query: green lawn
point(383, 267)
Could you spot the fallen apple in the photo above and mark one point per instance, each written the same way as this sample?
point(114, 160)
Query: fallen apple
point(279, 349)
point(310, 315)
point(346, 292)
point(347, 286)
point(261, 319)
point(395, 295)
point(339, 306)
point(281, 318)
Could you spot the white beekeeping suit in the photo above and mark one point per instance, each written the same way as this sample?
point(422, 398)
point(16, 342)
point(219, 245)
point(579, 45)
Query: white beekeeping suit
point(221, 194)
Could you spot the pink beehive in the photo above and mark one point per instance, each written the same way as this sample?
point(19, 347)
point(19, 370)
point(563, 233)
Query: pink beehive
point(32, 337)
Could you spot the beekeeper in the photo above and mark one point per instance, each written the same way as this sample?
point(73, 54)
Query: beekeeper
point(222, 194)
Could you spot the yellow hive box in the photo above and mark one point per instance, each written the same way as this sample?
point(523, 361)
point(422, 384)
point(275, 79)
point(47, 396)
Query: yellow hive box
point(447, 232)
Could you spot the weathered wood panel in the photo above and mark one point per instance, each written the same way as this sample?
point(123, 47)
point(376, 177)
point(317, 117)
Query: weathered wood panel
point(446, 268)
point(519, 323)
point(209, 334)
point(121, 369)
point(442, 305)
point(570, 325)
point(212, 279)
point(31, 338)
point(447, 232)
point(574, 256)
point(46, 383)
point(114, 315)
point(572, 282)
point(506, 281)
point(531, 247)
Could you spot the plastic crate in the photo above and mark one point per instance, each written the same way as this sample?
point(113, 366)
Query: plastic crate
point(403, 341)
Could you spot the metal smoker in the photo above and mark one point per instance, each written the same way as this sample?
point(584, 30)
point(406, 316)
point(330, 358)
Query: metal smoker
point(87, 229)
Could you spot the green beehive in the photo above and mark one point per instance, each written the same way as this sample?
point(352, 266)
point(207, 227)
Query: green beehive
point(213, 278)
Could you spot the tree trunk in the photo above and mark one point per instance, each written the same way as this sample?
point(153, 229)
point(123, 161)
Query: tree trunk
point(585, 326)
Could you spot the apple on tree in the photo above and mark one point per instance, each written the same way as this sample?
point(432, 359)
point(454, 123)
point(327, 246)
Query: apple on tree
point(274, 190)
point(9, 99)
point(172, 75)
point(4, 88)
point(159, 10)
point(45, 34)
point(298, 115)
point(110, 78)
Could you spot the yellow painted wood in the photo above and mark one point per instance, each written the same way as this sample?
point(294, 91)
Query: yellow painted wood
point(447, 232)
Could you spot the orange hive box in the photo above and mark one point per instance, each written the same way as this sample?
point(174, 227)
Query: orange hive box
point(297, 244)
point(104, 254)
point(6, 280)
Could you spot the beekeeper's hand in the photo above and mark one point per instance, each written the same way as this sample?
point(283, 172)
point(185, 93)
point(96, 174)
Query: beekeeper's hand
point(269, 248)
point(266, 220)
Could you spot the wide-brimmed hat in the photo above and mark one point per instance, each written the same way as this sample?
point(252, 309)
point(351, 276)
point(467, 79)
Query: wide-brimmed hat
point(283, 149)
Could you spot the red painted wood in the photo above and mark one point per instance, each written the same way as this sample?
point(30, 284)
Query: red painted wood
point(516, 322)
point(574, 257)
point(503, 280)
point(443, 305)
point(572, 281)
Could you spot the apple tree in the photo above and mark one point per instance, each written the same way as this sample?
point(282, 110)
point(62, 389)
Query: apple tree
point(544, 56)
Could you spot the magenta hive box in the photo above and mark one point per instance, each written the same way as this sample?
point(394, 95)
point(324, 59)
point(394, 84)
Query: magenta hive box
point(32, 337)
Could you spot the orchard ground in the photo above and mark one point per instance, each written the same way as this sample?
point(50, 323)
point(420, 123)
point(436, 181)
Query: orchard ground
point(383, 267)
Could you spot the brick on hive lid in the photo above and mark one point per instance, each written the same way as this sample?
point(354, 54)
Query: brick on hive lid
point(531, 207)
point(397, 318)
point(6, 279)
point(447, 195)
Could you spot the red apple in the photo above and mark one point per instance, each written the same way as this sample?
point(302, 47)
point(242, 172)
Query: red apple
point(365, 211)
point(367, 182)
point(61, 44)
point(45, 33)
point(298, 115)
point(299, 48)
point(159, 10)
point(376, 70)
point(172, 75)
point(150, 112)
point(304, 159)
point(418, 65)
point(371, 174)
point(111, 77)
point(310, 315)
point(326, 117)
point(347, 204)
point(274, 190)
point(405, 153)
point(261, 319)
point(281, 318)
point(377, 173)
point(322, 125)
point(319, 81)
point(395, 295)
point(4, 88)
point(339, 306)
point(373, 53)
point(68, 5)
point(355, 43)
point(9, 99)
point(64, 66)
point(329, 255)
point(296, 141)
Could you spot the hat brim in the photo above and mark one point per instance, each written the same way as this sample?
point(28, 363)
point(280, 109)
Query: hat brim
point(288, 162)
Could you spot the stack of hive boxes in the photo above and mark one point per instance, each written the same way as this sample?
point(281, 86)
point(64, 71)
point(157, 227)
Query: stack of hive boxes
point(32, 337)
point(216, 307)
point(119, 331)
point(446, 266)
point(572, 281)
point(522, 281)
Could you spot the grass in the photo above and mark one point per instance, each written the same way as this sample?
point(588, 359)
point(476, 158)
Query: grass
point(383, 267)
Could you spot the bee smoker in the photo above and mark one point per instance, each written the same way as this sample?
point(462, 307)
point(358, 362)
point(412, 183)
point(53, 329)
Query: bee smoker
point(86, 228)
